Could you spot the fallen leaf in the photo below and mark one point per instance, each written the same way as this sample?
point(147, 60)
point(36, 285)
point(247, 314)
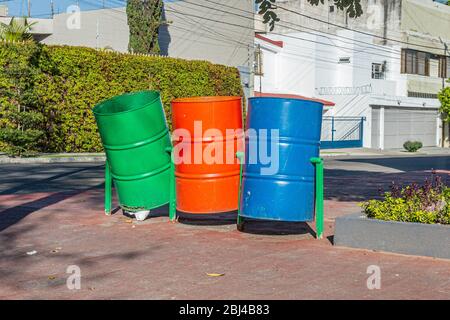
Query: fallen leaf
point(51, 277)
point(215, 274)
point(126, 220)
point(30, 253)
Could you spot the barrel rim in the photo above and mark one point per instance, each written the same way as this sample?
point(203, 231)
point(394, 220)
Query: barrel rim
point(206, 99)
point(294, 99)
point(98, 105)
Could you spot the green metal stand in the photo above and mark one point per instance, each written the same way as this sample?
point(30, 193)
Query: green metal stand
point(240, 220)
point(108, 189)
point(172, 192)
point(318, 162)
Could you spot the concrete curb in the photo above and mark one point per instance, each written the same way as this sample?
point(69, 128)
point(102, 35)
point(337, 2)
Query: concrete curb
point(358, 231)
point(349, 154)
point(53, 159)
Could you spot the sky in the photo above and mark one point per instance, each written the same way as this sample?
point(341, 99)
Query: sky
point(42, 8)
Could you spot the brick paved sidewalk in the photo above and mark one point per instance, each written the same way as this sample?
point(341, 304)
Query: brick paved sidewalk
point(155, 259)
point(160, 260)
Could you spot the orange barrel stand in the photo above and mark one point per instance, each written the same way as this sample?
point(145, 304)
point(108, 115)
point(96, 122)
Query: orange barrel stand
point(206, 167)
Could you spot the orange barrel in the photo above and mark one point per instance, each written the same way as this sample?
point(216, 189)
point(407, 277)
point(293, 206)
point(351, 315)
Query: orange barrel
point(207, 134)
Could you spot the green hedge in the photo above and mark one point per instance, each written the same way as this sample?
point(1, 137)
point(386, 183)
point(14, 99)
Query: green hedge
point(70, 81)
point(20, 117)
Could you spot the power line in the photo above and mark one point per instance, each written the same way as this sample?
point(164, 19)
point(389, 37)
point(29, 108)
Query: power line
point(379, 47)
point(281, 34)
point(358, 31)
point(337, 36)
point(382, 48)
point(181, 16)
point(339, 26)
point(284, 35)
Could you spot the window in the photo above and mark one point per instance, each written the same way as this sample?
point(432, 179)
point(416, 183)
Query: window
point(444, 67)
point(414, 94)
point(377, 71)
point(344, 60)
point(415, 62)
point(259, 71)
point(448, 68)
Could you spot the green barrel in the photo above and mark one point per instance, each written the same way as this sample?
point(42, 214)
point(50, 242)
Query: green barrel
point(135, 137)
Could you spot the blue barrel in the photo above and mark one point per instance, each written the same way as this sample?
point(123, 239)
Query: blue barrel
point(288, 193)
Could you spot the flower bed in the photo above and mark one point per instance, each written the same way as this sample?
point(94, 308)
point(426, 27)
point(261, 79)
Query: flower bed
point(428, 203)
point(410, 220)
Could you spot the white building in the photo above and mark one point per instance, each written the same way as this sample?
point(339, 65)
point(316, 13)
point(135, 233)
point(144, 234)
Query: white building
point(385, 77)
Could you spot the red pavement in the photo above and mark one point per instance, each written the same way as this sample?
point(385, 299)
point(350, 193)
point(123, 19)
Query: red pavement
point(155, 259)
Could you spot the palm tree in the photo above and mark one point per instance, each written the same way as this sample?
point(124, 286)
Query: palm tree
point(16, 30)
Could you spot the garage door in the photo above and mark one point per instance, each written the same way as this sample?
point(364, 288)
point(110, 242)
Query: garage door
point(403, 124)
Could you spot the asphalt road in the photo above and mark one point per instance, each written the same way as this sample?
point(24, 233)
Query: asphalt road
point(61, 177)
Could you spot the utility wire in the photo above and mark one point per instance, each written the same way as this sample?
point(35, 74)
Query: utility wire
point(336, 25)
point(181, 16)
point(379, 47)
point(284, 35)
point(281, 34)
point(358, 31)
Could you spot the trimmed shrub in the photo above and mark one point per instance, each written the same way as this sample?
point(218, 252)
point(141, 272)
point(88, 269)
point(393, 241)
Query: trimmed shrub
point(21, 118)
point(412, 146)
point(70, 81)
point(428, 203)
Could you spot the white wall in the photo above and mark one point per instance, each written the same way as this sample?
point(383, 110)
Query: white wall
point(308, 62)
point(97, 29)
point(290, 69)
point(193, 32)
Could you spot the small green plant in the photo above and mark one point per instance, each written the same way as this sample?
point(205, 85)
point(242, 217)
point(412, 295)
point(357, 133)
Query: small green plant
point(16, 30)
point(412, 146)
point(428, 203)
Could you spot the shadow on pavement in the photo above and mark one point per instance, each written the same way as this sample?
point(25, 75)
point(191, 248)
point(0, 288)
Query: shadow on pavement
point(269, 227)
point(356, 186)
point(215, 219)
point(11, 216)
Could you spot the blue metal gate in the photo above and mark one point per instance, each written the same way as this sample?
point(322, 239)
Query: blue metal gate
point(342, 132)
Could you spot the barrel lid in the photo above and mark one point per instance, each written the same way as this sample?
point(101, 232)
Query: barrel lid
point(206, 99)
point(126, 102)
point(293, 96)
point(317, 103)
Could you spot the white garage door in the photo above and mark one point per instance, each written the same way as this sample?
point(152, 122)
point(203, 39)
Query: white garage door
point(402, 124)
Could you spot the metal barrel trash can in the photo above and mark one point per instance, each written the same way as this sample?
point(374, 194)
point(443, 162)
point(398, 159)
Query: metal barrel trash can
point(206, 168)
point(135, 137)
point(287, 193)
